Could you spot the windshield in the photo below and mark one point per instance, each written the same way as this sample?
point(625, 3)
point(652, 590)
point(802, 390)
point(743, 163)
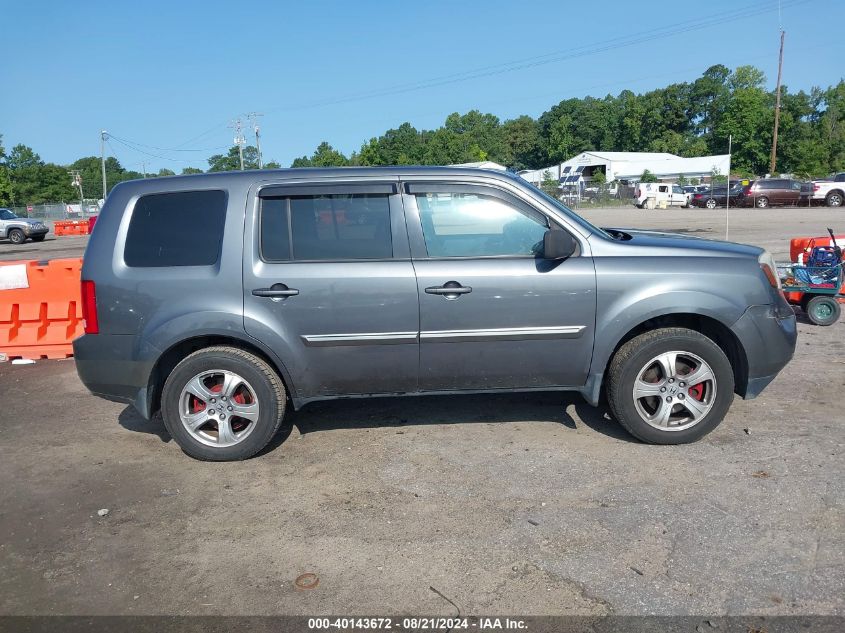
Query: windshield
point(5, 214)
point(570, 213)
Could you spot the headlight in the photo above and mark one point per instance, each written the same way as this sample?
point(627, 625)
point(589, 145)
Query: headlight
point(769, 268)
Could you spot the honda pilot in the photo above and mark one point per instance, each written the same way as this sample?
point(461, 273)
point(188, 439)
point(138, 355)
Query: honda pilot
point(223, 299)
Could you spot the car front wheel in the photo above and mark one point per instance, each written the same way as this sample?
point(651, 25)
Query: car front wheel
point(223, 404)
point(670, 386)
point(16, 236)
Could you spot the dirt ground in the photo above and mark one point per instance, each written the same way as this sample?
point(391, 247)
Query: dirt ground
point(509, 504)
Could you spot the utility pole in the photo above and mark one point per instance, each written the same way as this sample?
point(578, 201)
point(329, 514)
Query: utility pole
point(772, 162)
point(76, 181)
point(103, 136)
point(144, 168)
point(240, 141)
point(728, 191)
point(253, 116)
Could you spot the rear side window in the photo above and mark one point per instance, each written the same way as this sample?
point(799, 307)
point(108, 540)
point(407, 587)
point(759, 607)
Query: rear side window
point(176, 229)
point(326, 228)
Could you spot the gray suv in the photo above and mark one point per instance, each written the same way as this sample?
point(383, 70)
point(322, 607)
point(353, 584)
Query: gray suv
point(17, 230)
point(222, 299)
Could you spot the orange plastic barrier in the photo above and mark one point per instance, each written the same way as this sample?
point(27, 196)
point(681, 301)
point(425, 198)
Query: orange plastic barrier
point(41, 321)
point(72, 227)
point(798, 244)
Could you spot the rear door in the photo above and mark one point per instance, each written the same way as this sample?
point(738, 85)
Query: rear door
point(330, 288)
point(679, 198)
point(494, 314)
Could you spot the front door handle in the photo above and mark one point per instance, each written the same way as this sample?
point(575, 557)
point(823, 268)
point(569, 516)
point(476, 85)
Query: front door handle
point(276, 291)
point(450, 290)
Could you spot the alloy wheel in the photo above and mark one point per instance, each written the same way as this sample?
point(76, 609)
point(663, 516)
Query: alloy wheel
point(674, 391)
point(218, 408)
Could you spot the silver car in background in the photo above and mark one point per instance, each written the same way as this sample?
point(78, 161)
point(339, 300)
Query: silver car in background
point(17, 230)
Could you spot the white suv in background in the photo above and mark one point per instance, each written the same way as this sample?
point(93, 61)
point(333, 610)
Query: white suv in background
point(653, 195)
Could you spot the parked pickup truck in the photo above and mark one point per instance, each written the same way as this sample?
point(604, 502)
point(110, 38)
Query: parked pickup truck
point(831, 191)
point(18, 230)
point(277, 288)
point(652, 195)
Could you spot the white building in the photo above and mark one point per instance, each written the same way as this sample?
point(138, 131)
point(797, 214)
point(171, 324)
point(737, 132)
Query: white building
point(630, 166)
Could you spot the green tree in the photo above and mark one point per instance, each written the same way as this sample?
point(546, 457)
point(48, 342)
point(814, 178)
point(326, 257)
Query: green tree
point(191, 170)
point(231, 161)
point(165, 172)
point(523, 147)
point(5, 180)
point(648, 176)
point(324, 156)
point(550, 184)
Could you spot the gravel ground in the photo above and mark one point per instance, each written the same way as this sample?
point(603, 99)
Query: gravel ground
point(509, 504)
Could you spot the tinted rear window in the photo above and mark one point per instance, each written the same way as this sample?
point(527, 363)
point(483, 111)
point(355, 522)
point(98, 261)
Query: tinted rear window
point(326, 227)
point(176, 229)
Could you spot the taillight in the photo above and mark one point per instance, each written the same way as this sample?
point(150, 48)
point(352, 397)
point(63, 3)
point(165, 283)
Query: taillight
point(89, 307)
point(816, 187)
point(698, 196)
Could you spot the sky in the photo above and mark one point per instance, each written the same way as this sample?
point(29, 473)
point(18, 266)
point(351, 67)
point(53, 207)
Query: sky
point(166, 76)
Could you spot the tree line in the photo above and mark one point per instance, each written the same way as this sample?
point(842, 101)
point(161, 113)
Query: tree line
point(688, 119)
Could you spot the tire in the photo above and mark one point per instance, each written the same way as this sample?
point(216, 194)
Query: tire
point(711, 203)
point(762, 202)
point(834, 199)
point(16, 236)
point(212, 371)
point(38, 238)
point(693, 352)
point(823, 310)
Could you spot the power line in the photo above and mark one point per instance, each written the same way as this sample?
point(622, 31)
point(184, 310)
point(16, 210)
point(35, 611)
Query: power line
point(141, 151)
point(170, 149)
point(554, 57)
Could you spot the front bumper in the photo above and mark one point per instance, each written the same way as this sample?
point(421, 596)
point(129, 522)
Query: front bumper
point(31, 231)
point(768, 335)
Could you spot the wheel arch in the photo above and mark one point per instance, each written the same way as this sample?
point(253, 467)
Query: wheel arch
point(709, 326)
point(841, 193)
point(174, 354)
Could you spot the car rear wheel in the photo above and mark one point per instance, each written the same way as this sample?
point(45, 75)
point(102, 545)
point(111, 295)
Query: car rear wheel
point(762, 202)
point(16, 236)
point(834, 199)
point(223, 404)
point(823, 310)
point(670, 386)
point(711, 203)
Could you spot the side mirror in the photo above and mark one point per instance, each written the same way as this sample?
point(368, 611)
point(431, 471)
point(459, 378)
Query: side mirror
point(558, 244)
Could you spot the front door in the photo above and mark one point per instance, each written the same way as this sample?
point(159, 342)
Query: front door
point(330, 288)
point(493, 313)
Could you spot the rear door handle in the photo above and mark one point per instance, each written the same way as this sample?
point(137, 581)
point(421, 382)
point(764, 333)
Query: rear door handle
point(450, 290)
point(276, 291)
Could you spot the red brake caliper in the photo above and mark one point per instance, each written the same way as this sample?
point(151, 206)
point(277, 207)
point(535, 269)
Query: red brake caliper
point(697, 391)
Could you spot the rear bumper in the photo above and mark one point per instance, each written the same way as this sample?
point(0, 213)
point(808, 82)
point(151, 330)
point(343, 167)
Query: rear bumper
point(106, 367)
point(768, 335)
